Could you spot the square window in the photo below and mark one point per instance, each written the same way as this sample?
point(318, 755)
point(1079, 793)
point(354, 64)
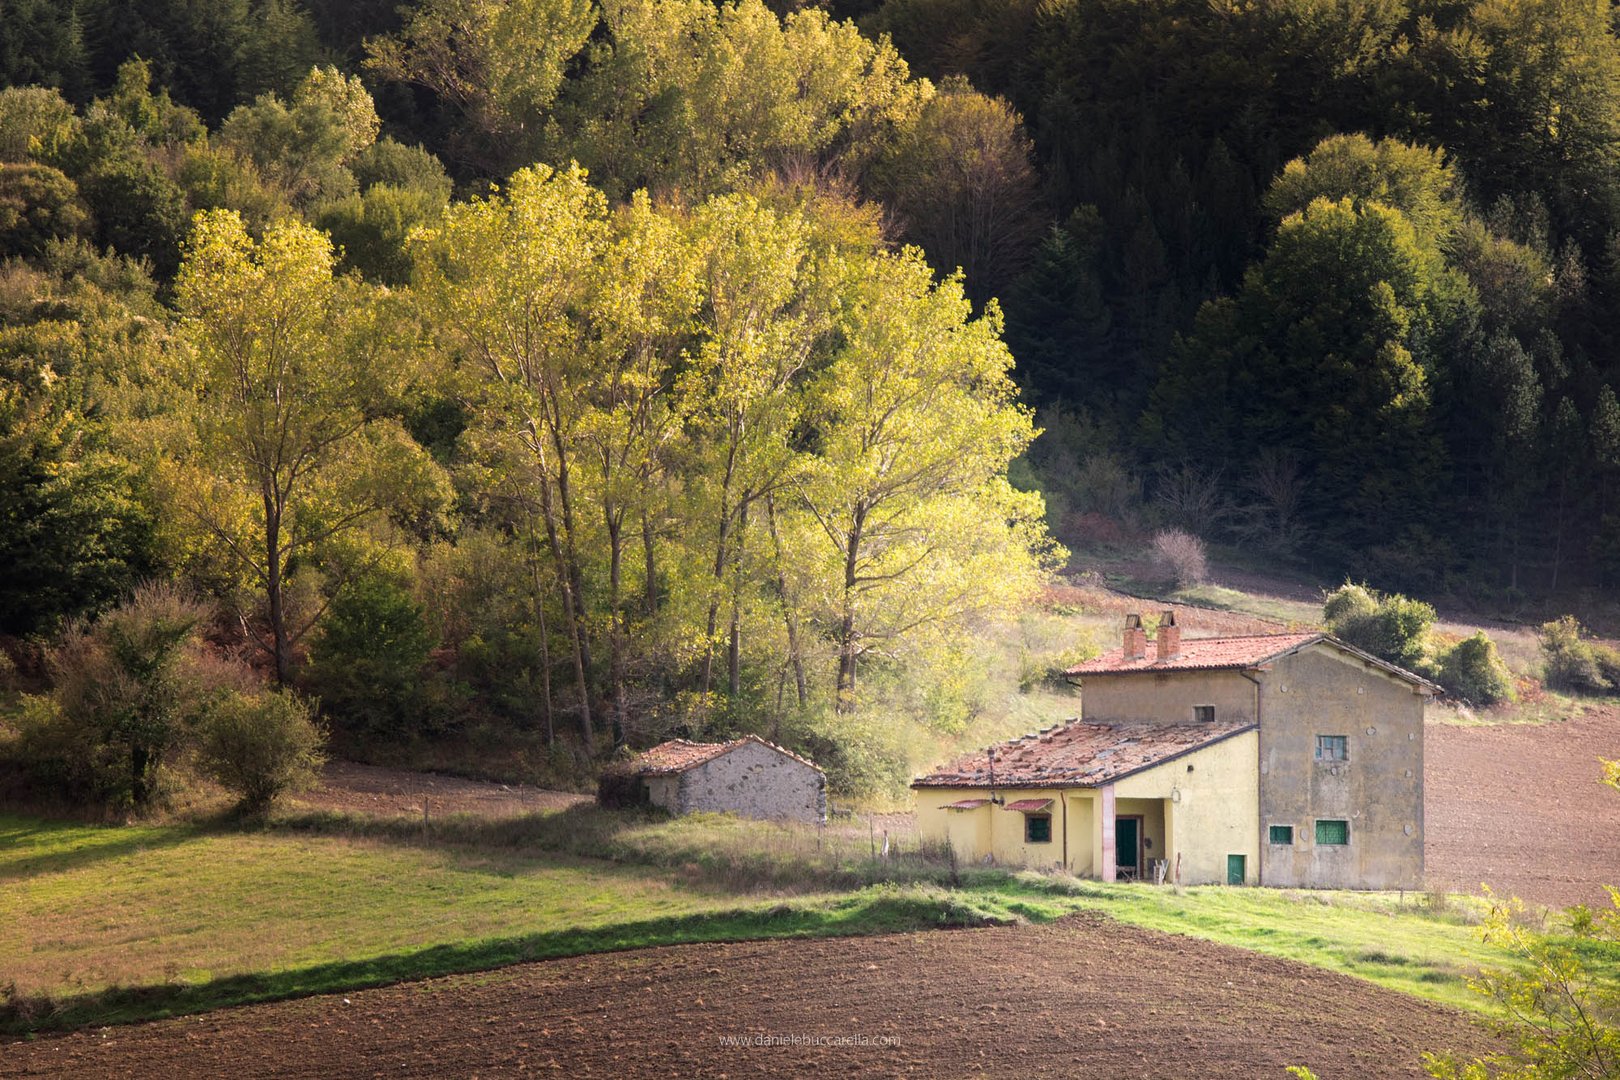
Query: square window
point(1332, 833)
point(1333, 748)
point(1282, 834)
point(1037, 828)
point(1204, 713)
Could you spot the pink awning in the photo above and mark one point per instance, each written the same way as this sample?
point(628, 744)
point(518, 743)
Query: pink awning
point(1029, 806)
point(966, 804)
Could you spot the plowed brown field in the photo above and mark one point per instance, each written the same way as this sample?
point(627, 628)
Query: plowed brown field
point(1520, 807)
point(1086, 997)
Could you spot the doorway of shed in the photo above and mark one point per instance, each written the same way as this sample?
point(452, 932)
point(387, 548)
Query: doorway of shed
point(1236, 869)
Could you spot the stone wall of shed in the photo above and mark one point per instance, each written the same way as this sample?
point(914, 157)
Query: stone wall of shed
point(755, 781)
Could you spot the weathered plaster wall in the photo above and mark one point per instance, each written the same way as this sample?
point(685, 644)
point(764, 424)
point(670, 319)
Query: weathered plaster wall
point(1379, 790)
point(1166, 697)
point(754, 781)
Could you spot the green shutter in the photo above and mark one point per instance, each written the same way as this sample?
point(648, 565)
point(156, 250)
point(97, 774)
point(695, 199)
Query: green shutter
point(1332, 832)
point(1282, 834)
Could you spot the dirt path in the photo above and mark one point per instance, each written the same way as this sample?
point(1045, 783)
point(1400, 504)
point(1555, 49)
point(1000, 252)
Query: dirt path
point(1086, 997)
point(368, 789)
point(1519, 806)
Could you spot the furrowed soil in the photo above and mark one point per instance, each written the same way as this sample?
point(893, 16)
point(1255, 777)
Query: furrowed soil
point(1520, 807)
point(1083, 997)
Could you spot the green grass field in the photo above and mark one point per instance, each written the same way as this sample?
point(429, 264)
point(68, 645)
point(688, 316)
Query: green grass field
point(106, 924)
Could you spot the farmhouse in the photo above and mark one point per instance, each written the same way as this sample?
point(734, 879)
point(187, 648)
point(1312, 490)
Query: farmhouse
point(1278, 759)
point(746, 776)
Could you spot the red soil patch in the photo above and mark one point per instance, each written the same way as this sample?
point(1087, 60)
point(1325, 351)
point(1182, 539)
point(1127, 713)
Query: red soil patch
point(368, 789)
point(1086, 997)
point(1520, 807)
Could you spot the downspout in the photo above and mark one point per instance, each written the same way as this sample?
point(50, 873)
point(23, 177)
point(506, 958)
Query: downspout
point(1259, 779)
point(1063, 800)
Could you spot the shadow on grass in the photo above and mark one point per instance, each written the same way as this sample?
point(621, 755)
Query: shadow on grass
point(724, 857)
point(876, 911)
point(106, 842)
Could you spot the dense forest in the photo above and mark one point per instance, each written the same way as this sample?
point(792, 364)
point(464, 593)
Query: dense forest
point(579, 373)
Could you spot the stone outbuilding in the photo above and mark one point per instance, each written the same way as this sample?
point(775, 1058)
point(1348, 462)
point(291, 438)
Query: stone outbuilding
point(1276, 759)
point(748, 777)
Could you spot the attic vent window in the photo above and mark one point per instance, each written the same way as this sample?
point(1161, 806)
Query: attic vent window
point(1333, 748)
point(1204, 714)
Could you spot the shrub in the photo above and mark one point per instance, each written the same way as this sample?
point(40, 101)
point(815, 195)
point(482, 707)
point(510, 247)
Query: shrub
point(367, 664)
point(1179, 556)
point(1473, 671)
point(260, 746)
point(126, 689)
point(1393, 628)
point(1571, 662)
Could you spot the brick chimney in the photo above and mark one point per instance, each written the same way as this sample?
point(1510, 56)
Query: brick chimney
point(1135, 639)
point(1169, 637)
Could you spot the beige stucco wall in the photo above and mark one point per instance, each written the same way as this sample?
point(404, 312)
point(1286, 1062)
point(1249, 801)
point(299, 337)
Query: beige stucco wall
point(1166, 697)
point(753, 781)
point(1211, 810)
point(1379, 790)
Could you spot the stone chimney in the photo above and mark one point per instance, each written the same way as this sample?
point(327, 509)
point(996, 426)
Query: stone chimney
point(1135, 639)
point(1169, 637)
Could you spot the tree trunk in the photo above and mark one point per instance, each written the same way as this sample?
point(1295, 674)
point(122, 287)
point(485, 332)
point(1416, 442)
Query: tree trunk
point(545, 644)
point(570, 612)
point(789, 616)
point(140, 788)
point(734, 643)
point(616, 618)
point(649, 553)
point(273, 590)
point(721, 547)
point(846, 628)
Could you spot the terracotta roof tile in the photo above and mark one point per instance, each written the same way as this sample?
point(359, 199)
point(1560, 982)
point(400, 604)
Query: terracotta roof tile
point(1200, 654)
point(679, 755)
point(1081, 753)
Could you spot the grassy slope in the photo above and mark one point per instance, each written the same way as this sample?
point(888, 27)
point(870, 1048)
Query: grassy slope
point(110, 924)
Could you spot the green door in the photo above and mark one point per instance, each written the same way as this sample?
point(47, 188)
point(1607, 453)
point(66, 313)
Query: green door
point(1235, 867)
point(1127, 846)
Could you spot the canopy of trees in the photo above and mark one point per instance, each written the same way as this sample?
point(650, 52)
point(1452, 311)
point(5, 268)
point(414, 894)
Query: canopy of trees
point(563, 365)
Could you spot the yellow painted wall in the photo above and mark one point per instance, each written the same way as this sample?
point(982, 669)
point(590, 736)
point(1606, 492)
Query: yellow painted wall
point(1203, 815)
point(1214, 809)
point(1085, 841)
point(991, 830)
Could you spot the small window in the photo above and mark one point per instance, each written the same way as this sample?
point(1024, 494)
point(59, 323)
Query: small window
point(1333, 748)
point(1332, 832)
point(1037, 828)
point(1282, 834)
point(1204, 714)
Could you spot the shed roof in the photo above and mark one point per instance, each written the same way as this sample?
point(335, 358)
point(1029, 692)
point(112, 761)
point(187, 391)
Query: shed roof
point(679, 755)
point(1080, 753)
point(1234, 653)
